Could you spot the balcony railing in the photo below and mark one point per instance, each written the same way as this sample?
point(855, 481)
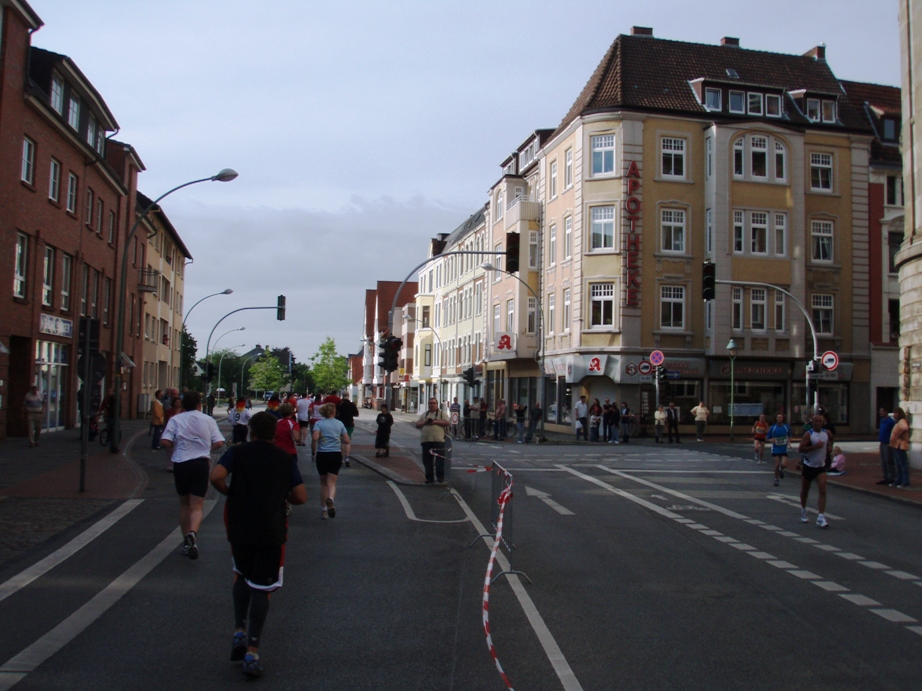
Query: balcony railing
point(149, 281)
point(522, 209)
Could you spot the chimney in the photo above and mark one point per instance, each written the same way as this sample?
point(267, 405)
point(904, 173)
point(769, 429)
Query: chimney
point(641, 31)
point(730, 41)
point(817, 53)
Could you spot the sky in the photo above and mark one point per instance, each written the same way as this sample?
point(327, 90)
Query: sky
point(361, 129)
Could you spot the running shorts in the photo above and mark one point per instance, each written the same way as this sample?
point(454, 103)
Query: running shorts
point(191, 477)
point(261, 566)
point(329, 462)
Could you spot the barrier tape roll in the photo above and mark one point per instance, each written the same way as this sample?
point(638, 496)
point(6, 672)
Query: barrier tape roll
point(504, 497)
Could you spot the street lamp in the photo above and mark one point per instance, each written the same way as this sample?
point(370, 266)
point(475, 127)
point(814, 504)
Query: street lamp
point(226, 291)
point(731, 351)
point(224, 175)
point(242, 328)
point(257, 355)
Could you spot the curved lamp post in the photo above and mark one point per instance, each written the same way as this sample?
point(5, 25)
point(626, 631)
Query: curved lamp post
point(242, 328)
point(257, 356)
point(221, 362)
point(226, 291)
point(225, 175)
point(732, 349)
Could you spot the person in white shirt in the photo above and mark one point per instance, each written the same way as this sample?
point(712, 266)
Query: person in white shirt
point(581, 411)
point(191, 436)
point(304, 416)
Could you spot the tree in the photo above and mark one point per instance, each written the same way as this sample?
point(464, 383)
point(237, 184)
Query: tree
point(329, 369)
point(267, 374)
point(187, 361)
point(229, 369)
point(301, 378)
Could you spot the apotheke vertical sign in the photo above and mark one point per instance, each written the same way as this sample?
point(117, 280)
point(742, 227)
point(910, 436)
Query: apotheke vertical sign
point(632, 208)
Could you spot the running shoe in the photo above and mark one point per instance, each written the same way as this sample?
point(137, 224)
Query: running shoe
point(821, 521)
point(803, 516)
point(193, 548)
point(186, 546)
point(776, 482)
point(252, 666)
point(239, 647)
point(781, 473)
point(331, 510)
point(348, 465)
point(323, 515)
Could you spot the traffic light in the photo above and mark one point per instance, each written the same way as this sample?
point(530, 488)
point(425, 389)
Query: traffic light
point(280, 315)
point(512, 252)
point(382, 354)
point(470, 377)
point(661, 375)
point(393, 347)
point(209, 372)
point(709, 281)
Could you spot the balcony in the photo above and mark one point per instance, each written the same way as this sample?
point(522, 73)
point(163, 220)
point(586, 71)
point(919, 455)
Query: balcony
point(522, 209)
point(149, 281)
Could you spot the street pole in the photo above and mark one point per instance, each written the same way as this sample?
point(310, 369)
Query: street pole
point(226, 291)
point(241, 309)
point(732, 350)
point(241, 392)
point(225, 175)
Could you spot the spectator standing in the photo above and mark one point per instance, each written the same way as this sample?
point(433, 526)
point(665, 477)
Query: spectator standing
point(606, 420)
point(887, 466)
point(432, 424)
point(34, 412)
point(333, 443)
point(346, 412)
point(659, 423)
point(383, 436)
point(614, 426)
point(701, 414)
point(482, 418)
point(157, 421)
point(265, 480)
point(672, 422)
point(455, 409)
point(581, 412)
point(520, 411)
point(627, 417)
point(899, 442)
point(535, 420)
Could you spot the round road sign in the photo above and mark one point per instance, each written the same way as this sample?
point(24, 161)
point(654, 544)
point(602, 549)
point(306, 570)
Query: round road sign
point(644, 367)
point(657, 358)
point(630, 369)
point(830, 360)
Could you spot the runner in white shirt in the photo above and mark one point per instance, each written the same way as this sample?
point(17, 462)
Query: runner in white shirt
point(304, 416)
point(316, 417)
point(191, 436)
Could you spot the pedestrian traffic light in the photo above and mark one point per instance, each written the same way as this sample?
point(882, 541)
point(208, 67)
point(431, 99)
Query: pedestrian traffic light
point(280, 315)
point(470, 376)
point(512, 252)
point(709, 281)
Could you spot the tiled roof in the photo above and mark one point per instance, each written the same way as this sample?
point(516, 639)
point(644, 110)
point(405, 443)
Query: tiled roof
point(650, 74)
point(462, 231)
point(875, 101)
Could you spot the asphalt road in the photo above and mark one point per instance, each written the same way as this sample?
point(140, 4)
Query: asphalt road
point(651, 567)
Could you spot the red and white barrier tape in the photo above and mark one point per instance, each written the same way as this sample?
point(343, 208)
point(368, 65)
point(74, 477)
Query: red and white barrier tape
point(504, 498)
point(473, 468)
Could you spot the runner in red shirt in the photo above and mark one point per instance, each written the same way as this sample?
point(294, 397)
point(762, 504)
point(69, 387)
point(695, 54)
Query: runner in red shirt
point(287, 432)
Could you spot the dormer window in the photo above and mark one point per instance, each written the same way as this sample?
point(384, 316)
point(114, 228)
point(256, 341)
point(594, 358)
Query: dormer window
point(91, 131)
point(737, 102)
point(57, 94)
point(773, 105)
point(73, 113)
point(813, 109)
point(755, 104)
point(712, 99)
point(732, 73)
point(889, 127)
point(829, 111)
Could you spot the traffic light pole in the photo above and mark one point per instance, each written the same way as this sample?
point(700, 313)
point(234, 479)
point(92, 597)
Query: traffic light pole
point(816, 354)
point(208, 344)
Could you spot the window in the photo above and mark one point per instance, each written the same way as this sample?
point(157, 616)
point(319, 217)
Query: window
point(57, 94)
point(22, 262)
point(754, 104)
point(603, 154)
point(813, 109)
point(552, 246)
point(427, 361)
point(551, 312)
point(820, 171)
point(533, 249)
point(28, 161)
point(889, 127)
point(499, 206)
point(709, 231)
point(894, 241)
point(737, 309)
point(780, 162)
point(673, 157)
point(708, 170)
point(709, 315)
point(737, 104)
point(758, 232)
point(603, 227)
point(54, 181)
point(106, 298)
point(532, 326)
point(712, 99)
point(88, 212)
point(779, 310)
point(48, 277)
point(85, 290)
point(829, 111)
point(568, 237)
point(781, 234)
point(99, 215)
point(758, 153)
point(757, 309)
point(552, 184)
point(602, 304)
point(73, 113)
point(672, 307)
point(823, 314)
point(94, 295)
point(773, 105)
point(510, 316)
point(91, 131)
point(565, 317)
point(111, 232)
point(496, 319)
point(821, 232)
point(568, 169)
point(739, 229)
point(67, 265)
point(894, 190)
point(72, 193)
point(738, 153)
point(478, 298)
point(498, 262)
point(673, 233)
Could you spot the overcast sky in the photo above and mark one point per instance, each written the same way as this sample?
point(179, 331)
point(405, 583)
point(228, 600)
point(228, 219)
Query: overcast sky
point(361, 129)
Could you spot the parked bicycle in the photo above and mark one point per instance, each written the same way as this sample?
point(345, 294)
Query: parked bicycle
point(489, 429)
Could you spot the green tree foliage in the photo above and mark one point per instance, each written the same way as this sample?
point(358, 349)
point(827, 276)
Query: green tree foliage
point(302, 379)
point(229, 369)
point(267, 374)
point(329, 369)
point(187, 361)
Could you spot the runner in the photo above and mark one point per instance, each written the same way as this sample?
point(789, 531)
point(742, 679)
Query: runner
point(333, 443)
point(780, 436)
point(287, 432)
point(304, 417)
point(240, 418)
point(265, 479)
point(759, 430)
point(346, 412)
point(191, 436)
point(815, 446)
point(316, 417)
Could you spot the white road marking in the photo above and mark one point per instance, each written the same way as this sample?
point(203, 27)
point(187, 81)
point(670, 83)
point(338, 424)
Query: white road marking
point(894, 616)
point(408, 510)
point(860, 600)
point(833, 587)
point(24, 578)
point(16, 668)
point(790, 501)
point(902, 575)
point(546, 498)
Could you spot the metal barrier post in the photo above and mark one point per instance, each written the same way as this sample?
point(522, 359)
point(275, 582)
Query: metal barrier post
point(501, 483)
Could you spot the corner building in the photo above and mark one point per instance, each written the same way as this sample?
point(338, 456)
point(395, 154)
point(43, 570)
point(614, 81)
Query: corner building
point(677, 153)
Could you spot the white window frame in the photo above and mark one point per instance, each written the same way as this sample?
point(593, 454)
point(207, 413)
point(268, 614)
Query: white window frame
point(54, 180)
point(758, 148)
point(739, 231)
point(551, 311)
point(829, 111)
point(781, 234)
point(532, 249)
point(91, 130)
point(780, 311)
point(776, 100)
point(111, 230)
point(602, 236)
point(820, 162)
point(532, 319)
point(100, 214)
point(568, 237)
point(822, 241)
point(27, 174)
point(758, 319)
point(781, 161)
point(758, 231)
point(565, 316)
point(672, 157)
point(813, 110)
point(88, 212)
point(710, 103)
point(742, 99)
point(497, 319)
point(498, 214)
point(67, 270)
point(568, 169)
point(672, 298)
point(673, 231)
point(823, 312)
point(552, 246)
point(21, 266)
point(739, 158)
point(72, 186)
point(602, 296)
point(552, 180)
point(57, 93)
point(73, 113)
point(48, 277)
point(510, 316)
point(754, 104)
point(602, 148)
point(736, 311)
point(498, 262)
